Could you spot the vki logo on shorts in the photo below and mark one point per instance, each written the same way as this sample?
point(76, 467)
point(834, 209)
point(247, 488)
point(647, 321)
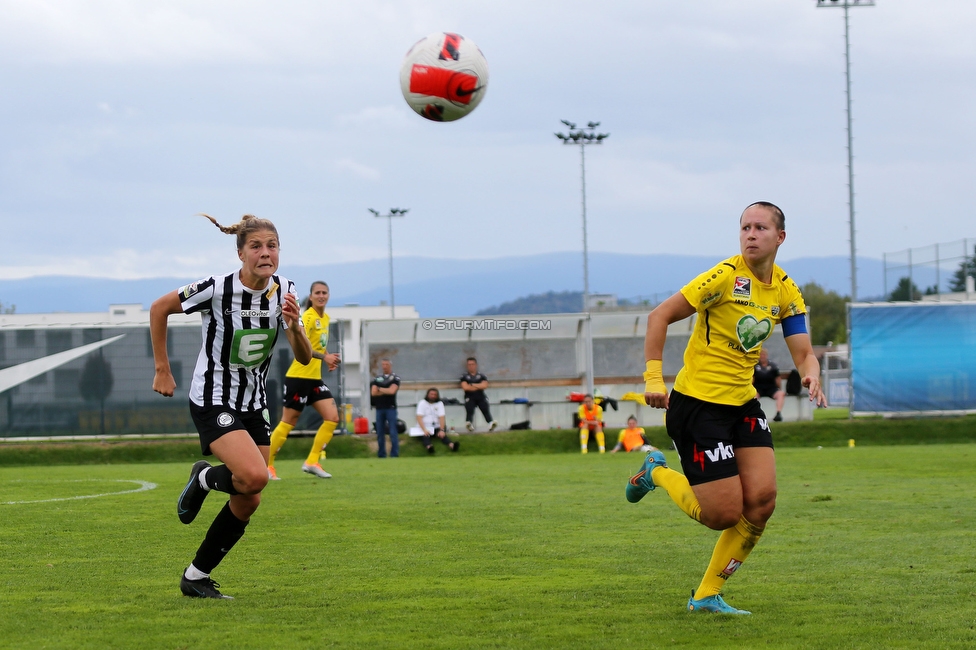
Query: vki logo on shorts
point(763, 424)
point(722, 452)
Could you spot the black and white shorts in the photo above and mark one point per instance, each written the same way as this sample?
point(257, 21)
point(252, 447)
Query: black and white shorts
point(706, 435)
point(212, 422)
point(300, 392)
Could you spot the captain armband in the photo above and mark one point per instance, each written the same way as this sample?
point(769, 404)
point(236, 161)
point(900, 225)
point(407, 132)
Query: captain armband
point(794, 325)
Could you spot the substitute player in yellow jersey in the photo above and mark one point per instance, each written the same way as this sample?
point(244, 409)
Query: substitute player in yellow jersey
point(718, 427)
point(304, 386)
point(633, 438)
point(590, 419)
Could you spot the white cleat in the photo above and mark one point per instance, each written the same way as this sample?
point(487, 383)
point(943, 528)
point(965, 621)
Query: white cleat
point(492, 425)
point(469, 426)
point(315, 470)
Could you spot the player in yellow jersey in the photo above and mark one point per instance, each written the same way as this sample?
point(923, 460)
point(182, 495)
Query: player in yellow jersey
point(633, 438)
point(590, 419)
point(718, 427)
point(304, 385)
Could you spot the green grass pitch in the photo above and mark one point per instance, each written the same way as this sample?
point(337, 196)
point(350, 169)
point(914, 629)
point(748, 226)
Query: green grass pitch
point(870, 547)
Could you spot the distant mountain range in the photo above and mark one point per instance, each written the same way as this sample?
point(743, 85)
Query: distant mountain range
point(447, 287)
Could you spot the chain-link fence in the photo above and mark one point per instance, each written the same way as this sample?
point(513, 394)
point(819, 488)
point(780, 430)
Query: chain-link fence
point(931, 270)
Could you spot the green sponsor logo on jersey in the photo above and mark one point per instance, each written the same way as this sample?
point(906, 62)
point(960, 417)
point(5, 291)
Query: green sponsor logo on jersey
point(251, 347)
point(752, 332)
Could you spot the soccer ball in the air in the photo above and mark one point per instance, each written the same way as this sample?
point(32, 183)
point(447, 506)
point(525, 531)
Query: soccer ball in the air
point(443, 77)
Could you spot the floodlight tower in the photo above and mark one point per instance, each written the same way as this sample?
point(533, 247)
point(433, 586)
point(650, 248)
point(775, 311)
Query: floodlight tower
point(394, 212)
point(846, 4)
point(582, 137)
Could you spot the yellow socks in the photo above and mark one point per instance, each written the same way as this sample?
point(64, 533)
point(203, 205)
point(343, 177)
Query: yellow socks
point(601, 440)
point(584, 439)
point(278, 437)
point(731, 550)
point(322, 438)
point(678, 489)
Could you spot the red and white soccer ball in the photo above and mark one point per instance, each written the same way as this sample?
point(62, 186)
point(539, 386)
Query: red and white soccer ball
point(444, 77)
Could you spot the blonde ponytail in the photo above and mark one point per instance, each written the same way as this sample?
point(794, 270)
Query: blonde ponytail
point(246, 226)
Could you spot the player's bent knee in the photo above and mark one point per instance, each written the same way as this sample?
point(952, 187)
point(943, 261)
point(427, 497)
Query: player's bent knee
point(759, 508)
point(719, 516)
point(721, 520)
point(252, 481)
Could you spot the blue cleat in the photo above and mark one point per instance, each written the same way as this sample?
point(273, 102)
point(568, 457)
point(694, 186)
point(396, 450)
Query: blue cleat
point(641, 482)
point(713, 604)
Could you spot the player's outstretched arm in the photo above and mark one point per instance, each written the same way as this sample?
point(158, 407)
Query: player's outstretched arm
point(806, 363)
point(159, 313)
point(670, 311)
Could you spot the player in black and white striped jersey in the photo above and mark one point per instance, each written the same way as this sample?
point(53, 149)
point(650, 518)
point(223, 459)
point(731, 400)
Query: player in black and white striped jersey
point(241, 314)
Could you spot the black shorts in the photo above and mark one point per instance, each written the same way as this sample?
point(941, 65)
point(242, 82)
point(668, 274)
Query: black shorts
point(706, 435)
point(767, 391)
point(299, 392)
point(214, 421)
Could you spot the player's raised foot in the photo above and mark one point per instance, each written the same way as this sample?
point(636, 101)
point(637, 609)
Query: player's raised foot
point(779, 417)
point(192, 496)
point(641, 482)
point(713, 604)
point(315, 470)
point(272, 474)
point(202, 588)
point(469, 426)
point(492, 425)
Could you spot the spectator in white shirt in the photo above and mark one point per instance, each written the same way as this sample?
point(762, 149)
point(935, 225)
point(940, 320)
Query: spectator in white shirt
point(430, 417)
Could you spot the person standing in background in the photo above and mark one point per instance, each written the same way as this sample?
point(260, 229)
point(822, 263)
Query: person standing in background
point(382, 391)
point(766, 379)
point(473, 383)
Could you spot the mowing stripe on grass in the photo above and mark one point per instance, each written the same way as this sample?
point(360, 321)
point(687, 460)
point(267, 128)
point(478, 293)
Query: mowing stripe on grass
point(143, 487)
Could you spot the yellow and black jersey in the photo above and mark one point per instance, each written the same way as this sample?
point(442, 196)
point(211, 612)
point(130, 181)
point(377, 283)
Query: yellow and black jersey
point(317, 330)
point(736, 313)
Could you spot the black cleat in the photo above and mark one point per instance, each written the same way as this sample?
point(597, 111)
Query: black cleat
point(430, 449)
point(455, 445)
point(192, 496)
point(202, 588)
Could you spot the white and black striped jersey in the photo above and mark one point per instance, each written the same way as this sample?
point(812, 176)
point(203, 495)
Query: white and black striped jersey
point(240, 327)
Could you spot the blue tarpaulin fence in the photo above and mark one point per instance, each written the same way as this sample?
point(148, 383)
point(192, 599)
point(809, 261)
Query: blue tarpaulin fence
point(913, 357)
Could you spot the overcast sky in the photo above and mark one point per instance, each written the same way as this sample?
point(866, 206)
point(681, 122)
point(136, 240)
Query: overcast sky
point(119, 120)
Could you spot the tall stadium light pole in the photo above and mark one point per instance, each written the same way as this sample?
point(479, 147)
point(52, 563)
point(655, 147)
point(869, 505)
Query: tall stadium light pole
point(394, 212)
point(582, 137)
point(847, 4)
